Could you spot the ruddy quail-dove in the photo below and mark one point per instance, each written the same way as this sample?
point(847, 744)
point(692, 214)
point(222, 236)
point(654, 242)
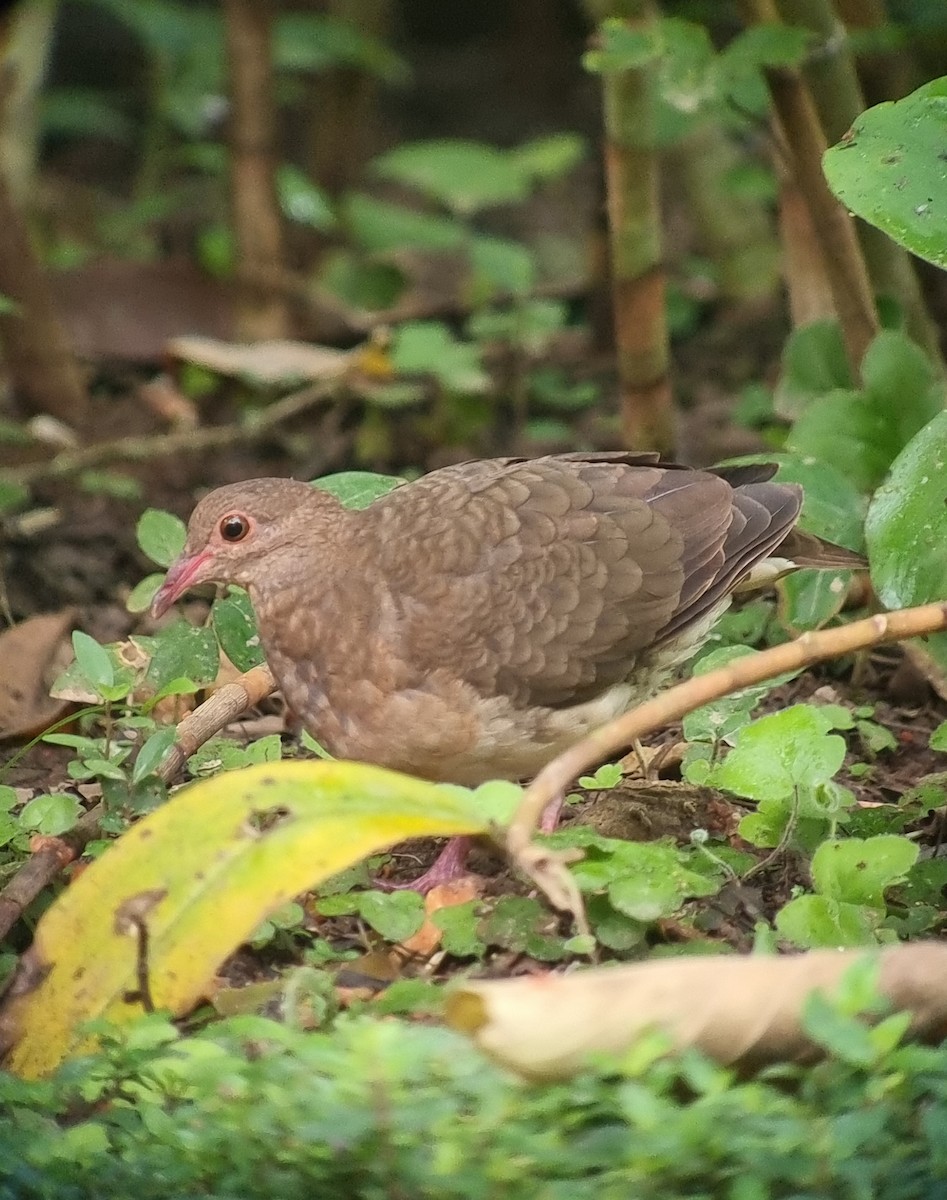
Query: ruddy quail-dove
point(473, 624)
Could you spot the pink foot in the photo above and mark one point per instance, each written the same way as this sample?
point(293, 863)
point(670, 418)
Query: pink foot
point(449, 865)
point(549, 822)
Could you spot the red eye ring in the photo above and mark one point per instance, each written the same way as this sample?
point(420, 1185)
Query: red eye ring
point(234, 527)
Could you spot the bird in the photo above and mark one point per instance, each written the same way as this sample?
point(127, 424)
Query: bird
point(476, 622)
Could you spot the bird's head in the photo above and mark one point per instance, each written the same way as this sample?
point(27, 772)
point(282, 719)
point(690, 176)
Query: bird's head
point(236, 535)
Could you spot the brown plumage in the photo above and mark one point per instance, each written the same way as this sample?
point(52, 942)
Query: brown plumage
point(474, 623)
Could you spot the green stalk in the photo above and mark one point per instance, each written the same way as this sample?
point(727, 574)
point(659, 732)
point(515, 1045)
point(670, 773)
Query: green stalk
point(833, 81)
point(638, 279)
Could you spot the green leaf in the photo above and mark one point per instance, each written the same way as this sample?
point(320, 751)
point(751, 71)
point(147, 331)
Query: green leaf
point(812, 922)
point(395, 915)
point(889, 170)
point(161, 535)
point(939, 737)
point(181, 650)
point(142, 594)
point(505, 266)
point(814, 363)
point(465, 177)
point(621, 48)
point(302, 201)
point(549, 157)
point(361, 283)
point(94, 661)
point(866, 430)
point(523, 925)
point(379, 226)
point(12, 496)
point(429, 347)
point(643, 881)
point(152, 752)
point(857, 870)
point(906, 530)
point(358, 489)
point(781, 752)
point(51, 815)
point(460, 924)
point(721, 718)
point(235, 627)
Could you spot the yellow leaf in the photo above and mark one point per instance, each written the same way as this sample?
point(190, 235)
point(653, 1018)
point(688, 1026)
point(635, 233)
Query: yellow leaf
point(197, 877)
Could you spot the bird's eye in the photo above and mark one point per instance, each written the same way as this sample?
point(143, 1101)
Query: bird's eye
point(234, 528)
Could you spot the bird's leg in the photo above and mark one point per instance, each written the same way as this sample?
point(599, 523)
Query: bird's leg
point(549, 821)
point(449, 865)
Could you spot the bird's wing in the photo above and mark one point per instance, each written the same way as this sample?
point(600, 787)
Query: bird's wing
point(545, 580)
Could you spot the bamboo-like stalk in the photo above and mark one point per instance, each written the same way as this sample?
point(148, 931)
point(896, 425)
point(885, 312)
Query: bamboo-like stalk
point(885, 74)
point(36, 351)
point(256, 218)
point(833, 81)
point(343, 102)
point(638, 278)
point(835, 231)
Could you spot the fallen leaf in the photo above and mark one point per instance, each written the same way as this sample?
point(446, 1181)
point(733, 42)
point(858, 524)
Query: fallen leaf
point(268, 363)
point(745, 1010)
point(223, 853)
point(32, 654)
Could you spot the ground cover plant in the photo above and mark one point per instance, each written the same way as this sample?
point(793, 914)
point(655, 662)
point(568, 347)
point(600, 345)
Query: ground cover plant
point(264, 1005)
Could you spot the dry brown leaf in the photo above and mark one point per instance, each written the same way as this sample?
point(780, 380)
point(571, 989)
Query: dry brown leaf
point(270, 363)
point(428, 938)
point(32, 654)
point(744, 1010)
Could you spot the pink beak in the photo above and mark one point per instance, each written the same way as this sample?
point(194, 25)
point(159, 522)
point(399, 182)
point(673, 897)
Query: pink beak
point(182, 574)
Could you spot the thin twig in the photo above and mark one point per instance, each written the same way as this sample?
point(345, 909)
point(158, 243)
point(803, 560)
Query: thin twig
point(546, 868)
point(137, 449)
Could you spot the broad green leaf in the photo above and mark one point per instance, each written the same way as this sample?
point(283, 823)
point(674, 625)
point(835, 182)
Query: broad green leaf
point(152, 752)
point(51, 815)
point(182, 650)
point(142, 594)
point(857, 870)
point(889, 170)
point(781, 752)
point(644, 881)
point(379, 226)
point(395, 915)
point(12, 496)
point(358, 489)
point(810, 599)
point(846, 427)
point(814, 921)
point(302, 201)
point(504, 265)
point(463, 176)
point(429, 347)
point(161, 535)
point(235, 627)
point(867, 429)
point(722, 718)
point(551, 156)
point(906, 530)
point(93, 660)
point(202, 873)
point(814, 363)
point(361, 283)
point(621, 48)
